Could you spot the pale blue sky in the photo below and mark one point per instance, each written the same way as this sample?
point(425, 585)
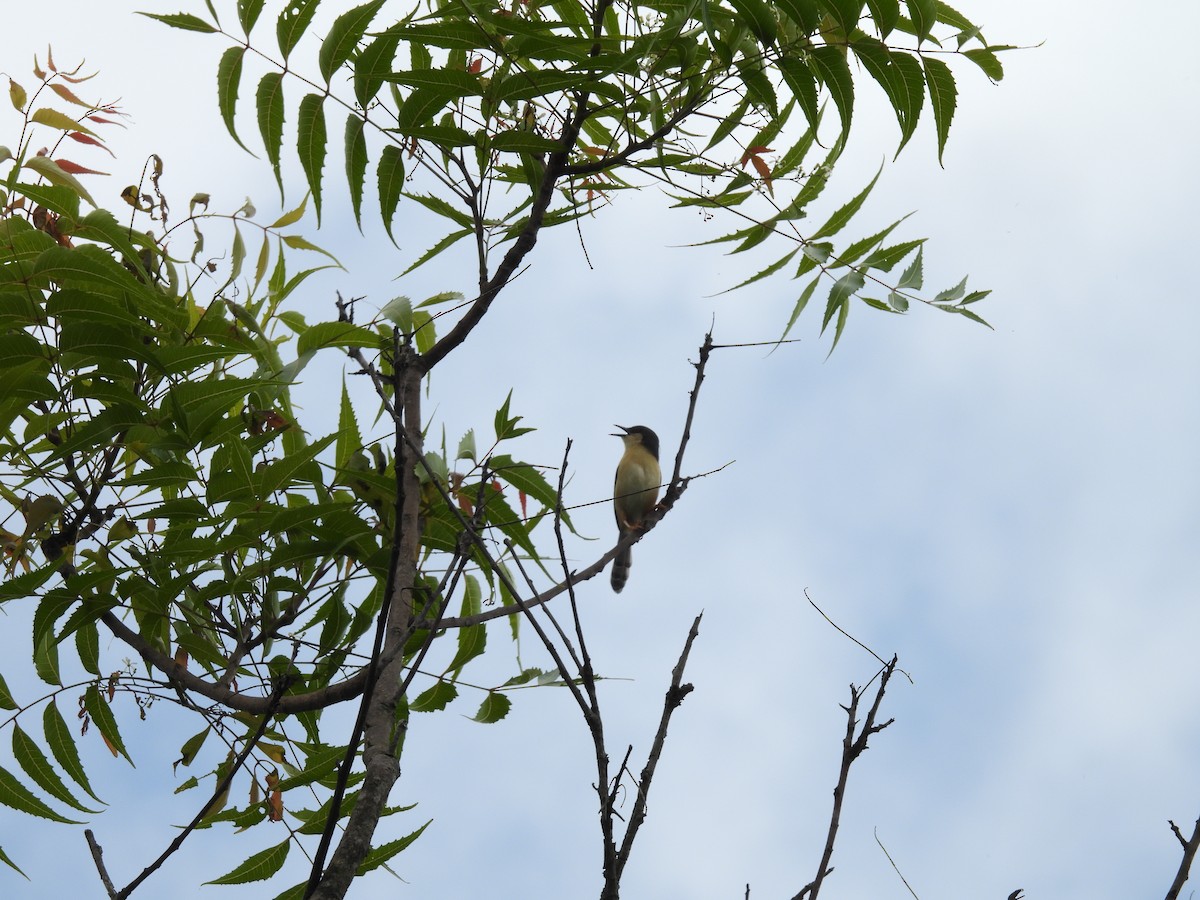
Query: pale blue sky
point(1014, 512)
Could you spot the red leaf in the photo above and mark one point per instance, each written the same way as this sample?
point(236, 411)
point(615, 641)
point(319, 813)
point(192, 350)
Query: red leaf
point(75, 169)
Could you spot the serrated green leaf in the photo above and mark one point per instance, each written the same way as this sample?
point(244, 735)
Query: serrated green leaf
point(839, 303)
point(381, 854)
point(885, 258)
point(61, 742)
point(523, 142)
point(248, 13)
point(229, 79)
point(391, 184)
point(269, 105)
point(845, 12)
point(335, 334)
point(356, 163)
point(182, 20)
point(15, 795)
point(6, 697)
point(343, 37)
point(258, 867)
point(839, 219)
point(834, 72)
point(954, 293)
point(924, 15)
point(310, 144)
point(372, 67)
point(913, 277)
point(986, 60)
point(293, 22)
point(97, 707)
point(765, 273)
point(943, 97)
point(435, 698)
point(495, 706)
point(45, 660)
point(349, 440)
point(34, 763)
point(886, 14)
point(448, 241)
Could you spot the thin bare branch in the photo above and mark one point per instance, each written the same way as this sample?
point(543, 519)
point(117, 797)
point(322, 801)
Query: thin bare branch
point(1190, 847)
point(854, 744)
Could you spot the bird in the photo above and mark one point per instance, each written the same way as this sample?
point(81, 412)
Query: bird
point(635, 491)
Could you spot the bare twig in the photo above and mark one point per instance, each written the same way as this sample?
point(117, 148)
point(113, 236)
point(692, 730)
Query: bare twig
point(853, 746)
point(1190, 846)
point(894, 866)
point(843, 631)
point(671, 702)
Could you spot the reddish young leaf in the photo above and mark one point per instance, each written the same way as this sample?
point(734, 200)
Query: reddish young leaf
point(75, 169)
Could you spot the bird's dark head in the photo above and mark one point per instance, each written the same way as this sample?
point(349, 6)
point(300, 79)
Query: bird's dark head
point(639, 434)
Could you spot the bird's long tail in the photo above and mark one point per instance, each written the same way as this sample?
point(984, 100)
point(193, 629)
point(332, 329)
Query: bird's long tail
point(620, 569)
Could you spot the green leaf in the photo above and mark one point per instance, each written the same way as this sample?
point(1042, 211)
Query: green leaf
point(913, 276)
point(335, 334)
point(248, 13)
point(61, 742)
point(344, 35)
point(495, 706)
point(877, 59)
point(523, 142)
point(802, 82)
point(943, 96)
point(182, 20)
point(886, 14)
point(6, 697)
point(259, 867)
point(381, 854)
point(422, 105)
point(356, 163)
point(16, 796)
point(391, 184)
point(372, 67)
point(269, 103)
point(845, 12)
point(34, 763)
point(923, 14)
point(759, 17)
point(101, 713)
point(802, 302)
point(435, 698)
point(804, 13)
point(839, 302)
point(472, 642)
point(349, 440)
point(834, 72)
point(310, 144)
point(448, 241)
point(886, 257)
point(293, 22)
point(986, 60)
point(4, 858)
point(229, 78)
point(838, 220)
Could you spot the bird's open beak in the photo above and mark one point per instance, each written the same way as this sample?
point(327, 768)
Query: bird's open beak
point(623, 428)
